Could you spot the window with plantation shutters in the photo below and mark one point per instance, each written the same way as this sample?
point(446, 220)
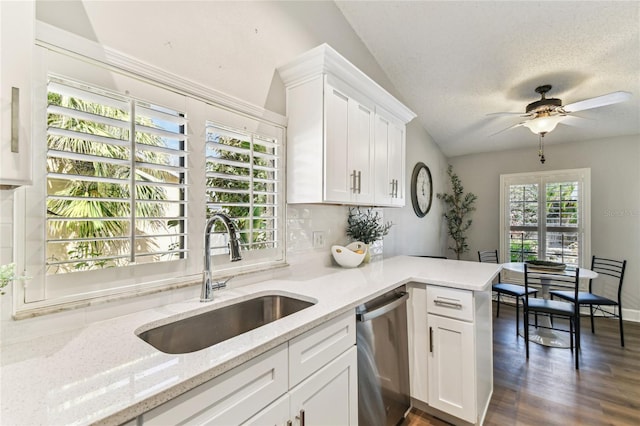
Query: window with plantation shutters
point(243, 180)
point(115, 178)
point(546, 217)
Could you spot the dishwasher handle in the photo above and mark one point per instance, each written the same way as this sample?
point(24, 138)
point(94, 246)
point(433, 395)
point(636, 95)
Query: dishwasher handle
point(394, 303)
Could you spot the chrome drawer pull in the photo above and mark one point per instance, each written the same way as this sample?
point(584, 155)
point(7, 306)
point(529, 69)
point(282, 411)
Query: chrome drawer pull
point(15, 120)
point(447, 304)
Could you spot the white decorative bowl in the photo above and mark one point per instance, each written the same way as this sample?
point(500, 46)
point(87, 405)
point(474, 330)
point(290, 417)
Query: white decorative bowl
point(347, 256)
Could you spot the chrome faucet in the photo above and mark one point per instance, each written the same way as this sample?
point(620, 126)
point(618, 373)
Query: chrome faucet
point(206, 294)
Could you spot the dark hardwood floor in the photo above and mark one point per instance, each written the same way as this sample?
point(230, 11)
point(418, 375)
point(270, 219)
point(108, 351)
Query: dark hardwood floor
point(547, 390)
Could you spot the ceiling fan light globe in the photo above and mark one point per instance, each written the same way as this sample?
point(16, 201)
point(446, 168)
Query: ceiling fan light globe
point(543, 125)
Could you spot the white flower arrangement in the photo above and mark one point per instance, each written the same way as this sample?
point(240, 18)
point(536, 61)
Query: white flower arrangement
point(8, 274)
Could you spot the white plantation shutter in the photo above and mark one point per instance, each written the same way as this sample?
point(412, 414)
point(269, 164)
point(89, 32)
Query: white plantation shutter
point(546, 216)
point(116, 180)
point(243, 179)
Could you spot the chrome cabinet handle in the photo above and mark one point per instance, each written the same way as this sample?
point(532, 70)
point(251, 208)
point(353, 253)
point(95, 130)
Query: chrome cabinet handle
point(359, 182)
point(430, 340)
point(354, 188)
point(301, 417)
point(15, 120)
point(447, 304)
point(393, 185)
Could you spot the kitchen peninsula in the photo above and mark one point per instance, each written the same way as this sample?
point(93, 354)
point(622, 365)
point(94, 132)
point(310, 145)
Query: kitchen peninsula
point(104, 374)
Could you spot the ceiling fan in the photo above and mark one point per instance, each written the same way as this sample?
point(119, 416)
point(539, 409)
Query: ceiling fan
point(545, 114)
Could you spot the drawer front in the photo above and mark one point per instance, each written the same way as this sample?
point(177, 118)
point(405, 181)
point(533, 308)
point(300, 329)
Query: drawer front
point(450, 302)
point(317, 347)
point(230, 398)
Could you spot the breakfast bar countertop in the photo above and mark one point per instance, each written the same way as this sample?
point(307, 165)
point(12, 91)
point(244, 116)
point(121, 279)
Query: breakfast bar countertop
point(103, 373)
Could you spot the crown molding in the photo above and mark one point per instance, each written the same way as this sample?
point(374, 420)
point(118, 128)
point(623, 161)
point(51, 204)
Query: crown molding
point(324, 59)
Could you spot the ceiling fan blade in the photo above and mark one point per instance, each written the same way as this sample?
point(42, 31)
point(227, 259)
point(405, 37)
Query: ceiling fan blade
point(509, 128)
point(598, 101)
point(574, 120)
point(505, 113)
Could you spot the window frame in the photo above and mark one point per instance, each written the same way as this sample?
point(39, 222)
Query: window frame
point(583, 176)
point(35, 297)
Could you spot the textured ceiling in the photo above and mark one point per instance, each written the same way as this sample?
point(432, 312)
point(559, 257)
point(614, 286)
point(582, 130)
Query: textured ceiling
point(456, 62)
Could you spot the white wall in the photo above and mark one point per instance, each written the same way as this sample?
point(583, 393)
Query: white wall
point(615, 197)
point(235, 48)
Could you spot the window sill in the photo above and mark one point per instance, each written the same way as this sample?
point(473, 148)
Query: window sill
point(250, 274)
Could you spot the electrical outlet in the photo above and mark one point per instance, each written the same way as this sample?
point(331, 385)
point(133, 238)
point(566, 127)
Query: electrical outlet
point(318, 239)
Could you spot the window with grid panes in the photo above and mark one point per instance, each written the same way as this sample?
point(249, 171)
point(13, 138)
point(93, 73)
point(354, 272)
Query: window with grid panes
point(546, 217)
point(116, 180)
point(243, 180)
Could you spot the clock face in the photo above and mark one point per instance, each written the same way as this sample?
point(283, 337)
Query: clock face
point(421, 189)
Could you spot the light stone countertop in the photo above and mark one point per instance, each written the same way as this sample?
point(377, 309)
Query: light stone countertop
point(103, 373)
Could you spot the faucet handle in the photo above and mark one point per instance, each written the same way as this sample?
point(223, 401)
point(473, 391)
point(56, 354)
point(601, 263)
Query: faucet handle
point(220, 284)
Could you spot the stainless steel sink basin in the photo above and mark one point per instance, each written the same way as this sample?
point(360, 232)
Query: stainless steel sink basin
point(206, 329)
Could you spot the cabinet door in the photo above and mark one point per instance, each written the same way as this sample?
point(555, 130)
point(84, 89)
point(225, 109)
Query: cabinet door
point(329, 397)
point(339, 181)
point(229, 399)
point(276, 414)
point(389, 161)
point(16, 59)
point(451, 367)
point(396, 160)
point(361, 151)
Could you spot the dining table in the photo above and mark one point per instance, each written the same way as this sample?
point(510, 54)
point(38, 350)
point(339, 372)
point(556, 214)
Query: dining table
point(543, 334)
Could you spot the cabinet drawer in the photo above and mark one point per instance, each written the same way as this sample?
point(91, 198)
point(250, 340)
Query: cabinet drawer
point(230, 398)
point(450, 302)
point(310, 351)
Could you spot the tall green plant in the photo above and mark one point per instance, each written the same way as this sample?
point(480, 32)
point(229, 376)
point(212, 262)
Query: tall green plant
point(459, 206)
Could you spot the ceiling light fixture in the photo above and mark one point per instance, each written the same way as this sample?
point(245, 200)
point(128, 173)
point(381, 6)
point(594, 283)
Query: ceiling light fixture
point(544, 123)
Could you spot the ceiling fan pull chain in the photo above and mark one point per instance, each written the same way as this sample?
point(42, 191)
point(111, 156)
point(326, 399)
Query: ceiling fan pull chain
point(541, 148)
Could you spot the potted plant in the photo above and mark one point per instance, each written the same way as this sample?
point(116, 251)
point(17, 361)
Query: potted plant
point(459, 206)
point(367, 227)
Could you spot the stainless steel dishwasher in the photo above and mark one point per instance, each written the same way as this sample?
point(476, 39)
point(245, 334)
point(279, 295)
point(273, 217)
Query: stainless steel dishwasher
point(383, 359)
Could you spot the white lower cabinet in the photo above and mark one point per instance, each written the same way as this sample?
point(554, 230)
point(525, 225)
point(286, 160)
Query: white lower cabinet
point(452, 366)
point(310, 380)
point(328, 398)
point(230, 398)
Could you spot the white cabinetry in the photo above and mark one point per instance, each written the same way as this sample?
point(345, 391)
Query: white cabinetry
point(332, 151)
point(389, 160)
point(348, 165)
point(328, 397)
point(17, 20)
point(312, 377)
point(452, 370)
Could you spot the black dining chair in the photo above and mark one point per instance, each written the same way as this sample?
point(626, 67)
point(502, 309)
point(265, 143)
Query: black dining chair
point(554, 308)
point(505, 289)
point(611, 268)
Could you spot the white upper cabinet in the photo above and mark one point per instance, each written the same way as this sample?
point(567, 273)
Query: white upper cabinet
point(389, 160)
point(346, 134)
point(16, 58)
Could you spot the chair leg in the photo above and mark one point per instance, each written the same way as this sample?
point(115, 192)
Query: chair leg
point(571, 334)
point(593, 329)
point(621, 329)
point(498, 306)
point(577, 345)
point(525, 314)
point(517, 316)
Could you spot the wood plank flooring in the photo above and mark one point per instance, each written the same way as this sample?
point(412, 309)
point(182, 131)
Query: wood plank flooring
point(547, 390)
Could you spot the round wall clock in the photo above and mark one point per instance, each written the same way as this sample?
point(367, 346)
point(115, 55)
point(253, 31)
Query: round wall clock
point(421, 189)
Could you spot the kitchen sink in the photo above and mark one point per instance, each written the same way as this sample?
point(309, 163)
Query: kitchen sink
point(203, 330)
